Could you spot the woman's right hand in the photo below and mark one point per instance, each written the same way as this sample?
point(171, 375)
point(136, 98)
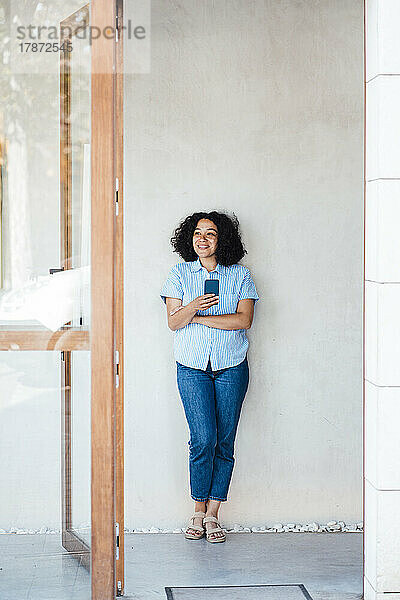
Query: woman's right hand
point(179, 316)
point(203, 302)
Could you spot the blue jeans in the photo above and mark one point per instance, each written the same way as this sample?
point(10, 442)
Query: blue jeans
point(212, 401)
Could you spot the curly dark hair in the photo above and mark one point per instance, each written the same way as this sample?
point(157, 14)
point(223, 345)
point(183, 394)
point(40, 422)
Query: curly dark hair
point(230, 248)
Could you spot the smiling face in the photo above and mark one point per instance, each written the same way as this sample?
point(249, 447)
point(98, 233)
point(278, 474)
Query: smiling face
point(205, 238)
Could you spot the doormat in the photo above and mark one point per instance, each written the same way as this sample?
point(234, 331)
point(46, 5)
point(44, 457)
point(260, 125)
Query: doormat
point(290, 591)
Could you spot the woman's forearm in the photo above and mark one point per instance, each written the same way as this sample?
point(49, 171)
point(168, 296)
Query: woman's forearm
point(232, 321)
point(182, 317)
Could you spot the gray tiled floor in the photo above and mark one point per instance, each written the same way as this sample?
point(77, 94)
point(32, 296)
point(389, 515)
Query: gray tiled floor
point(34, 567)
point(329, 565)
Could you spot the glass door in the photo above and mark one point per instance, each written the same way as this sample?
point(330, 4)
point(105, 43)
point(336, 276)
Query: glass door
point(58, 366)
point(75, 133)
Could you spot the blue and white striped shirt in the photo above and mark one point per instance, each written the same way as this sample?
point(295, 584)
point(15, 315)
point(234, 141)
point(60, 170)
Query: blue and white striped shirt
point(196, 343)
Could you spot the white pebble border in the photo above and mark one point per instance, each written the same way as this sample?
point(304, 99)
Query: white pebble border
point(330, 527)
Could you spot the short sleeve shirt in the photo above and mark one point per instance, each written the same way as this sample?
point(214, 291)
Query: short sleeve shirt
point(196, 344)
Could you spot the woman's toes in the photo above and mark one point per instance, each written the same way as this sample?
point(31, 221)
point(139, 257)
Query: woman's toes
point(217, 534)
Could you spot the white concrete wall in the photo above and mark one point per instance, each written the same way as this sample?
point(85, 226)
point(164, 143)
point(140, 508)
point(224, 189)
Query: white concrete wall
point(255, 107)
point(252, 107)
point(382, 299)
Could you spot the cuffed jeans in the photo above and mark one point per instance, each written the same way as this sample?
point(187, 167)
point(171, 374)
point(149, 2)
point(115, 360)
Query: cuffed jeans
point(212, 401)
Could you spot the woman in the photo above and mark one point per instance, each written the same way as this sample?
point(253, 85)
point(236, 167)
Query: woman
point(210, 347)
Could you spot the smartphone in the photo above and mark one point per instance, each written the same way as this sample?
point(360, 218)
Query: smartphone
point(211, 286)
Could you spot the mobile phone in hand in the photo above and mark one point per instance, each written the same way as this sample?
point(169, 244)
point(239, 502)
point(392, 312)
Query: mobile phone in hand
point(211, 286)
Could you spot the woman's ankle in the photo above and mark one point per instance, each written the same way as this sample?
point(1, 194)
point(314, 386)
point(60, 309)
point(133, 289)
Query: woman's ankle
point(199, 506)
point(213, 507)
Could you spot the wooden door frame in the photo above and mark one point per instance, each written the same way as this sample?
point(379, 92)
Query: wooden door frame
point(107, 501)
point(111, 111)
point(103, 313)
point(119, 294)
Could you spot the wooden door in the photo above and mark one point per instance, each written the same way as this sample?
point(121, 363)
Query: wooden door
point(87, 285)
